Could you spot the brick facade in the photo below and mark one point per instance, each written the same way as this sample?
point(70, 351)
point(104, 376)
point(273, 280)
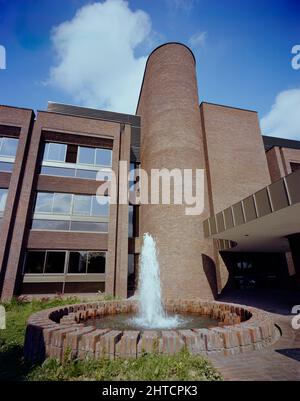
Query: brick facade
point(169, 130)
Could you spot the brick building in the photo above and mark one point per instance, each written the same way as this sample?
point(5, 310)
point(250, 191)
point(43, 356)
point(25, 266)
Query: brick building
point(56, 237)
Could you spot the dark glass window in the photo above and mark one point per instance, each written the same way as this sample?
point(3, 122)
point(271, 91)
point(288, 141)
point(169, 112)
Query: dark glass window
point(77, 262)
point(295, 166)
point(35, 262)
point(55, 262)
point(96, 262)
point(71, 156)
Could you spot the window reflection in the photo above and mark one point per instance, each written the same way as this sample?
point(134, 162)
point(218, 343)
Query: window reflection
point(82, 205)
point(3, 197)
point(8, 146)
point(65, 262)
point(62, 204)
point(86, 155)
point(55, 152)
point(77, 161)
point(77, 262)
point(7, 167)
point(44, 202)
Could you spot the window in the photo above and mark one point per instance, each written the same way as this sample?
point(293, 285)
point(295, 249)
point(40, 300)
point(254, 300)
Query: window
point(67, 153)
point(55, 152)
point(77, 262)
point(65, 262)
point(62, 204)
point(53, 203)
point(130, 221)
point(35, 262)
point(7, 167)
point(71, 212)
point(86, 262)
point(87, 174)
point(8, 147)
point(82, 205)
point(100, 206)
point(295, 166)
point(44, 202)
point(89, 226)
point(3, 197)
point(78, 161)
point(55, 262)
point(71, 156)
point(52, 225)
point(67, 204)
point(103, 157)
point(58, 171)
point(96, 262)
point(86, 155)
point(45, 262)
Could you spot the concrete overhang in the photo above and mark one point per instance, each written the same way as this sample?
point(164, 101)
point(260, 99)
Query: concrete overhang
point(260, 222)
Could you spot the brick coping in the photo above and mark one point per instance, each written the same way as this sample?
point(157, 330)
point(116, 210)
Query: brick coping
point(53, 332)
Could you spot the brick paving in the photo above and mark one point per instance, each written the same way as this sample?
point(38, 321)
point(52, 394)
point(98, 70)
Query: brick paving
point(280, 361)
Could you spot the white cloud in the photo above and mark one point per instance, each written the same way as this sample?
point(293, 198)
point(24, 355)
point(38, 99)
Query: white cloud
point(283, 120)
point(97, 64)
point(197, 40)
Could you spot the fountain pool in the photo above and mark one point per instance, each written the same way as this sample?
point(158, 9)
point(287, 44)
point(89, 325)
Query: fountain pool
point(146, 323)
point(128, 321)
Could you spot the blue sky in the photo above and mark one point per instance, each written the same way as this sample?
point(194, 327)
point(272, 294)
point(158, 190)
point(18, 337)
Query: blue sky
point(242, 48)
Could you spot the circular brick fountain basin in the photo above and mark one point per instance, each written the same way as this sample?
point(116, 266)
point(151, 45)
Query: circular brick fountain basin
point(53, 332)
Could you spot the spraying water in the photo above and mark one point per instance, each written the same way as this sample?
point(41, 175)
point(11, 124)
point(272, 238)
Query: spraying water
point(151, 312)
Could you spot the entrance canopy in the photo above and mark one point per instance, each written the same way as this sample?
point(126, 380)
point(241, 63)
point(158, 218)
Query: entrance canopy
point(261, 222)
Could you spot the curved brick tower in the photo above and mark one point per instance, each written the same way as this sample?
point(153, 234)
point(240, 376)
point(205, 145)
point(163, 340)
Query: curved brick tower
point(172, 138)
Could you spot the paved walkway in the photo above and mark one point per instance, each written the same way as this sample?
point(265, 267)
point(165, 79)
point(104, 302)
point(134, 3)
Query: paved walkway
point(280, 361)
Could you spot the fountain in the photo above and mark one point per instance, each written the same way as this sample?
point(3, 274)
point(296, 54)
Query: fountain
point(129, 328)
point(151, 311)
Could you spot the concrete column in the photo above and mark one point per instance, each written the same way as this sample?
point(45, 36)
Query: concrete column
point(294, 241)
point(171, 137)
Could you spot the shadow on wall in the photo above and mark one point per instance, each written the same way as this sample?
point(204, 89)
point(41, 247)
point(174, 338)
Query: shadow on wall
point(209, 269)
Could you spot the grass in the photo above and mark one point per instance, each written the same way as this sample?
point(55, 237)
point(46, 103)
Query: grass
point(149, 367)
point(12, 365)
point(182, 366)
